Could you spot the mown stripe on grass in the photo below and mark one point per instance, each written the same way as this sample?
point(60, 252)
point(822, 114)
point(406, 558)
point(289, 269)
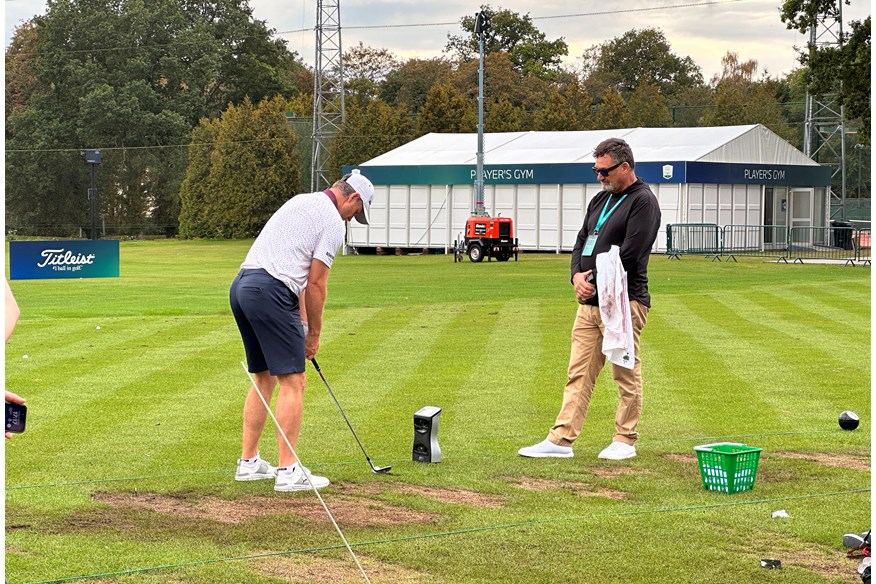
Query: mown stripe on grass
point(539, 402)
point(126, 399)
point(831, 344)
point(503, 356)
point(839, 301)
point(851, 315)
point(783, 313)
point(370, 377)
point(127, 345)
point(710, 351)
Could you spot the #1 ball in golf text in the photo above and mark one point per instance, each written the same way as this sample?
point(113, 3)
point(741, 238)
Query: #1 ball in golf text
point(848, 420)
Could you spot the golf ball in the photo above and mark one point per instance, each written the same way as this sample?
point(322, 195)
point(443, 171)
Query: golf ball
point(848, 420)
point(98, 328)
point(25, 356)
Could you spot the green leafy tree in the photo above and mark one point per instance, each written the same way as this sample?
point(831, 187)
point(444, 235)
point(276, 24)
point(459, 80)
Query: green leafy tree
point(409, 84)
point(844, 70)
point(567, 108)
point(299, 116)
point(369, 131)
point(445, 110)
point(623, 62)
point(647, 108)
point(688, 106)
point(196, 190)
point(611, 112)
point(514, 34)
point(742, 98)
point(502, 79)
point(503, 116)
point(131, 78)
point(365, 69)
point(792, 96)
point(251, 169)
point(20, 79)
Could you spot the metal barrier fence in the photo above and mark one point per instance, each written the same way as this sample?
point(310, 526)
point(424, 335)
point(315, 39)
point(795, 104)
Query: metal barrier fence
point(693, 239)
point(842, 242)
point(754, 240)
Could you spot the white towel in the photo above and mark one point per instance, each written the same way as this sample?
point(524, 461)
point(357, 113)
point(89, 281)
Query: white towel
point(618, 343)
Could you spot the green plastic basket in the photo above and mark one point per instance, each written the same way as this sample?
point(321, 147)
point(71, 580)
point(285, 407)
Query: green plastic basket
point(728, 467)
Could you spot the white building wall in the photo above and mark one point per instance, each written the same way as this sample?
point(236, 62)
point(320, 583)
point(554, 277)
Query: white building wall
point(546, 217)
point(669, 197)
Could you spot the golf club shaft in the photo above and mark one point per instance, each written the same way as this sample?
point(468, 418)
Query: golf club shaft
point(340, 409)
point(307, 478)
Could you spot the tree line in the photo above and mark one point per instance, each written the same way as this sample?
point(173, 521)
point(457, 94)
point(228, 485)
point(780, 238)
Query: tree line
point(203, 116)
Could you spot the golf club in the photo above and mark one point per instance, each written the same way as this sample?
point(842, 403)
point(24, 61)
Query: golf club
point(295, 454)
point(376, 469)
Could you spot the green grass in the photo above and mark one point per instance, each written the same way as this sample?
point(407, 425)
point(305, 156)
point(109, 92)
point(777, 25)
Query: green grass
point(148, 407)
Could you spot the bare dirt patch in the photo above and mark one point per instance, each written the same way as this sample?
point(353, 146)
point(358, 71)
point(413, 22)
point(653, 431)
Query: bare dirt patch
point(582, 489)
point(617, 471)
point(823, 560)
point(682, 457)
point(336, 570)
point(850, 461)
point(444, 495)
point(346, 509)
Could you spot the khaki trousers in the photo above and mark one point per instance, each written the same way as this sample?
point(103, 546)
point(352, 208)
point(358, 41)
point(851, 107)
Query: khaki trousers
point(585, 363)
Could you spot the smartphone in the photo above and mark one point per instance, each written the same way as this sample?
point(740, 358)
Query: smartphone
point(16, 416)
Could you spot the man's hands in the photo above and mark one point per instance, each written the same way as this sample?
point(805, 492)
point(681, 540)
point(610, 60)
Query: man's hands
point(583, 288)
point(311, 345)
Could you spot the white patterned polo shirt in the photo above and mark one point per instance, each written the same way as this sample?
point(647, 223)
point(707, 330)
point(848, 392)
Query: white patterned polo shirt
point(307, 226)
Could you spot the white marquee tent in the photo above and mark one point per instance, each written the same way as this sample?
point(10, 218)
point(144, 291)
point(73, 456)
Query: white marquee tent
point(740, 175)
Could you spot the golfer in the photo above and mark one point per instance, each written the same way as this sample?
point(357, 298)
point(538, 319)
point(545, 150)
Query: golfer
point(294, 251)
point(624, 214)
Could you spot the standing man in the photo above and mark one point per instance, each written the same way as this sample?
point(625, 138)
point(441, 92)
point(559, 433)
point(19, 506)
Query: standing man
point(294, 251)
point(626, 214)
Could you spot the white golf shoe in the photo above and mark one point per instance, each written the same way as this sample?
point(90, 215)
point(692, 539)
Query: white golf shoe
point(618, 451)
point(254, 470)
point(293, 479)
point(546, 449)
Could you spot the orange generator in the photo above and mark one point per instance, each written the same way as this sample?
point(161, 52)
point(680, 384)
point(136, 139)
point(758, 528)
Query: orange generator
point(492, 237)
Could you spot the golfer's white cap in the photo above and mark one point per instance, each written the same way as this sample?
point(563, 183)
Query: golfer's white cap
point(365, 189)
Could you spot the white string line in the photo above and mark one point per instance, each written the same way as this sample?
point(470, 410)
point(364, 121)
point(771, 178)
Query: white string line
point(306, 476)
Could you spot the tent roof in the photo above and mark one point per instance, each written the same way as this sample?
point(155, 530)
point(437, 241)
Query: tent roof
point(753, 144)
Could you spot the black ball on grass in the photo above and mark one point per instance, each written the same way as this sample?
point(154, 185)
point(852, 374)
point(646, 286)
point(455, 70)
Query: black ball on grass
point(848, 420)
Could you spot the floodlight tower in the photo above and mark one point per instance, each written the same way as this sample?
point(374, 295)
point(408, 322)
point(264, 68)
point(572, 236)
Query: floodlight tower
point(824, 130)
point(482, 24)
point(328, 89)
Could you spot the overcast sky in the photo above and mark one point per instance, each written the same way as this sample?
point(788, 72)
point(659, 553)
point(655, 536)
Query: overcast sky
point(700, 29)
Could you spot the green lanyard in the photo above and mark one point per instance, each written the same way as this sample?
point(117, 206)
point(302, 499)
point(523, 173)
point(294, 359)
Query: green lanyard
point(603, 216)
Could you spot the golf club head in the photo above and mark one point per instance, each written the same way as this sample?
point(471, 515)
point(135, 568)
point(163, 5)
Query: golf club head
point(380, 469)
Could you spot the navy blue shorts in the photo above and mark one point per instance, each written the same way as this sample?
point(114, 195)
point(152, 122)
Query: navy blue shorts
point(267, 316)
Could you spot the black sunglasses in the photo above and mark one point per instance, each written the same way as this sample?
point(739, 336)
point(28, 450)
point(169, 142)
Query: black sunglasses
point(605, 171)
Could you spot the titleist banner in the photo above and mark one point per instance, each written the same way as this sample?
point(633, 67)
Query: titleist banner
point(39, 260)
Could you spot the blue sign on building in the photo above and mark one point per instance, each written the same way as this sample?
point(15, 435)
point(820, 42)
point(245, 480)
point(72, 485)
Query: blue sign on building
point(581, 173)
point(41, 260)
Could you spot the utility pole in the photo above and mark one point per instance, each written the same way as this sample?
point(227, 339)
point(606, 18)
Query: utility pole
point(328, 89)
point(482, 24)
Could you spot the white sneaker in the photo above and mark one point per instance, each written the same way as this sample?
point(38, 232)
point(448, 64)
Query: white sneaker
point(255, 470)
point(618, 451)
point(546, 449)
point(292, 479)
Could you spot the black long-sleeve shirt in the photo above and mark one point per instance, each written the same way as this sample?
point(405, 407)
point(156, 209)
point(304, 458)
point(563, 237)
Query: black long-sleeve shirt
point(632, 226)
